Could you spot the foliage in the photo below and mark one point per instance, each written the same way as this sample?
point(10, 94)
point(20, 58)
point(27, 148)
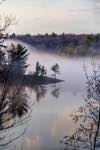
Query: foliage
point(2, 61)
point(55, 69)
point(87, 135)
point(37, 69)
point(69, 44)
point(13, 100)
point(17, 59)
point(40, 71)
point(43, 71)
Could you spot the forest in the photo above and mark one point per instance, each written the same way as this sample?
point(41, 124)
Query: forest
point(69, 44)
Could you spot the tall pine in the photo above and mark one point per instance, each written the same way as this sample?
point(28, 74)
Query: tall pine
point(18, 56)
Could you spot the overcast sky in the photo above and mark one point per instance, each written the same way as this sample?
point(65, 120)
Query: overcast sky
point(41, 16)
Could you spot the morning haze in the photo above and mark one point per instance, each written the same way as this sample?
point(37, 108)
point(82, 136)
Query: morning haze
point(50, 75)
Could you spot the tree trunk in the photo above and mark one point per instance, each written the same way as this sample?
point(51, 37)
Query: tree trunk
point(97, 131)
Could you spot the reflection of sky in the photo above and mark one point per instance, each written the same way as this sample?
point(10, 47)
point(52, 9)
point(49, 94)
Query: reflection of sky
point(51, 120)
point(51, 117)
point(71, 70)
point(43, 16)
point(47, 128)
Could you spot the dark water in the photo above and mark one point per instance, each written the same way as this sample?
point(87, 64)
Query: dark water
point(43, 115)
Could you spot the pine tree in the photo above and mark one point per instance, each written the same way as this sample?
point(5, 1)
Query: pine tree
point(43, 71)
point(17, 57)
point(37, 69)
point(40, 71)
point(55, 69)
point(2, 61)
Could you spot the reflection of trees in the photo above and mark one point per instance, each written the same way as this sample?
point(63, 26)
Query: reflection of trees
point(56, 91)
point(14, 112)
point(19, 105)
point(87, 135)
point(40, 90)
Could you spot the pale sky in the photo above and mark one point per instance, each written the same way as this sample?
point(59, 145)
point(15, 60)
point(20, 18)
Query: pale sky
point(47, 16)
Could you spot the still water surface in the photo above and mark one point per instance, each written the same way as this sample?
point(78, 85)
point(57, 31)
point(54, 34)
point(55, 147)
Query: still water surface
point(47, 119)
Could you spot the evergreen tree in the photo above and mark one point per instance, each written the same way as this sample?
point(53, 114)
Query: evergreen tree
point(55, 69)
point(40, 71)
point(37, 69)
point(43, 71)
point(17, 57)
point(2, 61)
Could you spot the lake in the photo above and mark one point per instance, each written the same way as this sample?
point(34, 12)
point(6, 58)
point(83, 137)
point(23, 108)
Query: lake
point(48, 118)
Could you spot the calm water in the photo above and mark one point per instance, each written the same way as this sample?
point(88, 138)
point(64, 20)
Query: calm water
point(48, 116)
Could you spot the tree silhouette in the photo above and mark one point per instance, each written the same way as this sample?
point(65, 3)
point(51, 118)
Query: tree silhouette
point(87, 135)
point(2, 61)
point(17, 58)
point(15, 111)
point(40, 71)
point(13, 101)
point(37, 69)
point(43, 71)
point(5, 22)
point(55, 68)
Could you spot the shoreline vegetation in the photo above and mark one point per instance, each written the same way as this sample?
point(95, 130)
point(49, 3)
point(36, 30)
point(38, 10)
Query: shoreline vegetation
point(13, 67)
point(31, 80)
point(28, 80)
point(63, 44)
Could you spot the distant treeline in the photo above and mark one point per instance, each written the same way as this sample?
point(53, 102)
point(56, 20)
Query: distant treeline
point(69, 44)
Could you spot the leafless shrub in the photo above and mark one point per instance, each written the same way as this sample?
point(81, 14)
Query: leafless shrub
point(87, 135)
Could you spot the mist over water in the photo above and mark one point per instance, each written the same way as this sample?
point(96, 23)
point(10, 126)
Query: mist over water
point(50, 118)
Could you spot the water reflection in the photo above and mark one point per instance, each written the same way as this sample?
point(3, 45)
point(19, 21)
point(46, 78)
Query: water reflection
point(56, 91)
point(41, 91)
point(14, 113)
point(15, 110)
point(87, 117)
